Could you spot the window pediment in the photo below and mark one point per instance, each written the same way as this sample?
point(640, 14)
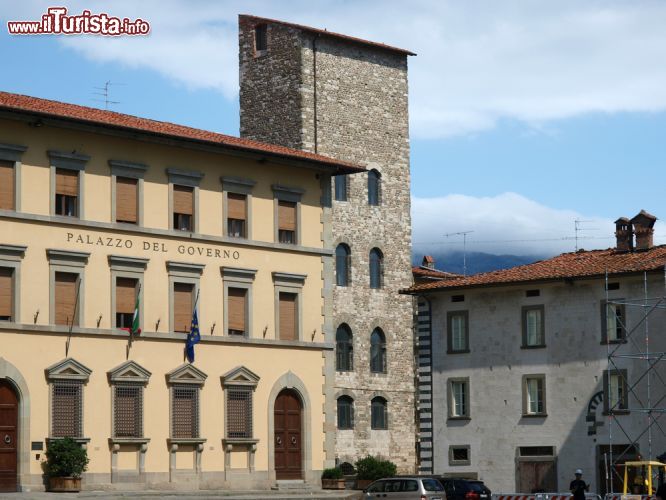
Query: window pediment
point(240, 376)
point(186, 374)
point(129, 372)
point(68, 369)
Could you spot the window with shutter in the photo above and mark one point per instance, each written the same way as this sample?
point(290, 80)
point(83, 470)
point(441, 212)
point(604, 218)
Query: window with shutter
point(67, 192)
point(127, 200)
point(7, 197)
point(236, 215)
point(184, 411)
point(341, 188)
point(288, 320)
point(287, 222)
point(66, 285)
point(183, 208)
point(6, 294)
point(125, 301)
point(236, 311)
point(183, 304)
point(66, 408)
point(239, 412)
point(128, 410)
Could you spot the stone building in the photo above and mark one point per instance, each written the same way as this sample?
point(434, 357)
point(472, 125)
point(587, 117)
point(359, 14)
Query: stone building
point(98, 209)
point(346, 98)
point(541, 369)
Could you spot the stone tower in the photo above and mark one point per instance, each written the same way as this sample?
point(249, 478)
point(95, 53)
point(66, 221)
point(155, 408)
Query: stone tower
point(346, 98)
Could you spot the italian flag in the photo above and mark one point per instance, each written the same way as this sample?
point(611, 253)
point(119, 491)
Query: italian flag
point(135, 330)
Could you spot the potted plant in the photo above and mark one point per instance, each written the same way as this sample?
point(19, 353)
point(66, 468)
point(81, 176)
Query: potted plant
point(331, 479)
point(66, 460)
point(370, 469)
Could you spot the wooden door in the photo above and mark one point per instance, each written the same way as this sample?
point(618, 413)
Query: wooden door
point(288, 433)
point(537, 477)
point(8, 437)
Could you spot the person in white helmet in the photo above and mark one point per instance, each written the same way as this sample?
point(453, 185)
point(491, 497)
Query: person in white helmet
point(578, 487)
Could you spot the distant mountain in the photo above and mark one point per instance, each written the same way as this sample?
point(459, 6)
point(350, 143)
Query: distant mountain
point(477, 262)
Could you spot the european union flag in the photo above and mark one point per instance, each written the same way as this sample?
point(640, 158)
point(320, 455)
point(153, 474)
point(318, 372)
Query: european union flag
point(192, 338)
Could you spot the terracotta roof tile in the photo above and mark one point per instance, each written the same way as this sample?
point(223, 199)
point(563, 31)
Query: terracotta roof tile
point(575, 265)
point(45, 107)
point(329, 33)
point(419, 271)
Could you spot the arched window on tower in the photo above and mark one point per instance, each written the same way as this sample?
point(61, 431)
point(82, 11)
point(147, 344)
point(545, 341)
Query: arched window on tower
point(344, 347)
point(345, 412)
point(376, 268)
point(378, 413)
point(374, 187)
point(342, 265)
point(377, 351)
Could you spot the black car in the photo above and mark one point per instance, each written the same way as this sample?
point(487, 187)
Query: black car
point(464, 489)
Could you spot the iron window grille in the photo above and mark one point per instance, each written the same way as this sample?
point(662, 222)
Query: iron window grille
point(128, 410)
point(67, 408)
point(239, 412)
point(184, 411)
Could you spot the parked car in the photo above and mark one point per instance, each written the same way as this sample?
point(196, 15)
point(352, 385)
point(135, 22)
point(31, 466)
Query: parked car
point(465, 489)
point(406, 488)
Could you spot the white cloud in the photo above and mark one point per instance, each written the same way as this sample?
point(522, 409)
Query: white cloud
point(507, 223)
point(479, 60)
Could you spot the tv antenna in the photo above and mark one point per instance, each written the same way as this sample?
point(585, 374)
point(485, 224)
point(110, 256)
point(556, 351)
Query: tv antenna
point(104, 92)
point(464, 235)
point(578, 229)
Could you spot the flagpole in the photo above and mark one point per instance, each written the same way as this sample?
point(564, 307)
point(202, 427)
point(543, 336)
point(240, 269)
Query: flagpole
point(71, 323)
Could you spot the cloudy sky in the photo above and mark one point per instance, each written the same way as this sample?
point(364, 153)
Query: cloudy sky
point(525, 115)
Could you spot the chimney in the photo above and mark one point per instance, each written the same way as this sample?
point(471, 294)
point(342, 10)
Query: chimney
point(644, 230)
point(428, 262)
point(624, 235)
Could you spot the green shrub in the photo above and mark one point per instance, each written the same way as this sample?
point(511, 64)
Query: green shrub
point(373, 468)
point(65, 458)
point(332, 473)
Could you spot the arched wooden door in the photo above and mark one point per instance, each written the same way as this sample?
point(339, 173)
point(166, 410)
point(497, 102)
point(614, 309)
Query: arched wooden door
point(288, 415)
point(8, 437)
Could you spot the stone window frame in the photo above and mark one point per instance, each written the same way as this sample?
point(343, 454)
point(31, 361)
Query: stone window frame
point(453, 462)
point(187, 178)
point(236, 277)
point(11, 257)
point(352, 401)
point(450, 401)
point(291, 194)
point(182, 272)
point(386, 412)
point(67, 261)
point(68, 370)
point(130, 170)
point(532, 376)
point(289, 283)
point(350, 359)
point(381, 268)
point(378, 177)
point(126, 267)
point(347, 263)
point(346, 188)
point(449, 331)
point(523, 322)
point(604, 311)
point(623, 409)
point(237, 185)
point(14, 153)
point(259, 52)
point(68, 161)
point(383, 351)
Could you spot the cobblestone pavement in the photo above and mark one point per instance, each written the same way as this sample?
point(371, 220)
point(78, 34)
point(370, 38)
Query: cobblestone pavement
point(198, 495)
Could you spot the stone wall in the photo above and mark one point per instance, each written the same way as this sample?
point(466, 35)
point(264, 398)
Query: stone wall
point(352, 105)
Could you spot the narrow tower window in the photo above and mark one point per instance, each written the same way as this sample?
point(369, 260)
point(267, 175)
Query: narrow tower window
point(260, 38)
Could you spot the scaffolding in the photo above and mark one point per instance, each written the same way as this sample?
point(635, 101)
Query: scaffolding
point(644, 393)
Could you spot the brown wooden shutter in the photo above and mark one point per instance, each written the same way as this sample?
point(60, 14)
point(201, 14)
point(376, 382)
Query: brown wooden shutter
point(182, 307)
point(183, 200)
point(65, 298)
point(236, 206)
point(125, 295)
point(288, 316)
point(67, 182)
point(126, 199)
point(236, 309)
point(287, 215)
point(6, 292)
point(6, 185)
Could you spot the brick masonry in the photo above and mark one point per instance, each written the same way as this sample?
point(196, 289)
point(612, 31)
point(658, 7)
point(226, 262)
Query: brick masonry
point(349, 101)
